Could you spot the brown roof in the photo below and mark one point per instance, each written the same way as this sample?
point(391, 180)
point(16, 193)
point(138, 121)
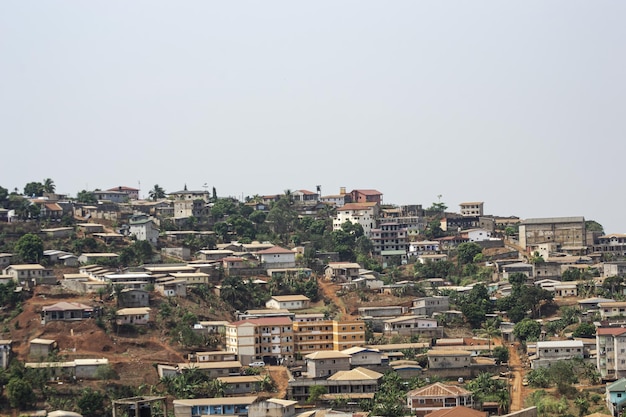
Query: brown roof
point(368, 192)
point(356, 206)
point(613, 331)
point(53, 207)
point(64, 306)
point(274, 250)
point(265, 321)
point(438, 390)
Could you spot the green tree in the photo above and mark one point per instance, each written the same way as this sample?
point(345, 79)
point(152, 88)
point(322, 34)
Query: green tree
point(489, 329)
point(527, 330)
point(315, 392)
point(156, 193)
point(29, 248)
point(4, 197)
point(91, 403)
point(86, 197)
point(33, 189)
point(584, 330)
point(48, 186)
point(466, 252)
point(593, 226)
point(501, 354)
point(475, 305)
point(390, 399)
point(20, 393)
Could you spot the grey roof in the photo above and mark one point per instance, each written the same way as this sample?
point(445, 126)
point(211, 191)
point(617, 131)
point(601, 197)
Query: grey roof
point(577, 219)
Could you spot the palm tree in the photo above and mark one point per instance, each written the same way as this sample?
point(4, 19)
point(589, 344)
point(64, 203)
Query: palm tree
point(48, 185)
point(156, 192)
point(489, 329)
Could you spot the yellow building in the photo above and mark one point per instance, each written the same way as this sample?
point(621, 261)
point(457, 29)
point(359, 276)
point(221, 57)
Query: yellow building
point(327, 335)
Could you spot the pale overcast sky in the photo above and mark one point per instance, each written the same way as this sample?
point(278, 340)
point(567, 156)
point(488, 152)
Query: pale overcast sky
point(520, 104)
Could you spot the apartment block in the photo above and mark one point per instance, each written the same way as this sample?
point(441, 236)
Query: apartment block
point(269, 339)
point(611, 348)
point(327, 335)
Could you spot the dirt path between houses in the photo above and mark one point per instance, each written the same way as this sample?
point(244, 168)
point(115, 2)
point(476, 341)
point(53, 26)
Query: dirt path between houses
point(517, 371)
point(329, 291)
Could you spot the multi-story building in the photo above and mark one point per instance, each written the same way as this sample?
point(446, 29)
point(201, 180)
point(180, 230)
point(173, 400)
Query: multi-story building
point(472, 209)
point(611, 348)
point(564, 231)
point(323, 364)
point(614, 244)
point(143, 228)
point(132, 193)
point(366, 196)
point(390, 239)
point(347, 334)
point(269, 339)
point(313, 336)
point(612, 310)
point(556, 350)
point(436, 397)
point(364, 214)
point(426, 306)
point(412, 325)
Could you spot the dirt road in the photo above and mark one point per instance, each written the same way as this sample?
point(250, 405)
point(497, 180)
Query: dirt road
point(517, 370)
point(329, 291)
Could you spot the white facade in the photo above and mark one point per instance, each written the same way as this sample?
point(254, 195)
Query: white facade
point(477, 235)
point(363, 214)
point(551, 351)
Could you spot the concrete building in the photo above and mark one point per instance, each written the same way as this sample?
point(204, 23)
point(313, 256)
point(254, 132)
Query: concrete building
point(426, 306)
point(143, 228)
point(436, 397)
point(611, 352)
point(364, 214)
point(288, 302)
point(551, 351)
point(277, 257)
point(475, 208)
point(390, 236)
point(452, 358)
point(412, 325)
point(325, 363)
point(564, 231)
point(269, 339)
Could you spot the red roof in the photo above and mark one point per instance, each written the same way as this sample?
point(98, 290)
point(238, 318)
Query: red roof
point(612, 331)
point(307, 192)
point(265, 321)
point(53, 207)
point(368, 192)
point(274, 250)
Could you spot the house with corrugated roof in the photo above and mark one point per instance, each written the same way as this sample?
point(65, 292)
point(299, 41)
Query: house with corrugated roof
point(277, 257)
point(66, 311)
point(436, 397)
point(324, 363)
point(288, 302)
point(137, 316)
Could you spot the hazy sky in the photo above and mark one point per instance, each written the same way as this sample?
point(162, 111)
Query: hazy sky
point(520, 104)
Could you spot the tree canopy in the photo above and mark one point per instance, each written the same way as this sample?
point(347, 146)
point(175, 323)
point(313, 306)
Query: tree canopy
point(29, 248)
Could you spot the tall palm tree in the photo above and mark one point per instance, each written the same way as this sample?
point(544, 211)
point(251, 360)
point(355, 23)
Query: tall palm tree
point(156, 192)
point(48, 185)
point(489, 329)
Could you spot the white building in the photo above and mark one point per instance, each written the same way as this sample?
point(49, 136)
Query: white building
point(143, 228)
point(556, 350)
point(277, 257)
point(288, 302)
point(362, 213)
